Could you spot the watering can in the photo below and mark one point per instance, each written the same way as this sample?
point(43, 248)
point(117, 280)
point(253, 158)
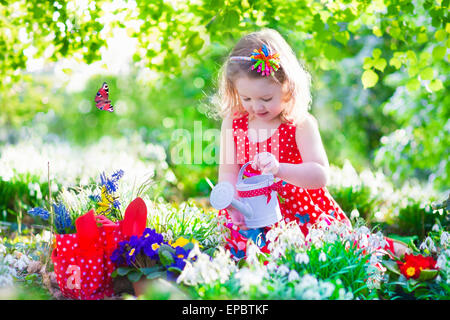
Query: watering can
point(257, 201)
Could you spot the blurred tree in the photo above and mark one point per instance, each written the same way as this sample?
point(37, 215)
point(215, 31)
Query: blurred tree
point(391, 48)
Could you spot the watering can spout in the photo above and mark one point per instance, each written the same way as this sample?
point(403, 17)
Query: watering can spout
point(242, 207)
point(222, 196)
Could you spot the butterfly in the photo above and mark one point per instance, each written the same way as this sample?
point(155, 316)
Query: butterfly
point(303, 218)
point(101, 99)
point(106, 204)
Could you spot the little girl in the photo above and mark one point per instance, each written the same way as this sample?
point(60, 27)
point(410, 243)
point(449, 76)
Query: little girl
point(266, 121)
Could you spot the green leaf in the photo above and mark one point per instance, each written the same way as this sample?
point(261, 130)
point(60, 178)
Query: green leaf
point(175, 269)
point(395, 62)
point(427, 274)
point(413, 85)
point(195, 43)
point(368, 63)
point(436, 85)
point(380, 64)
point(377, 31)
point(166, 247)
point(123, 271)
point(376, 53)
point(134, 275)
point(369, 79)
point(188, 246)
point(422, 38)
point(150, 270)
point(440, 35)
point(392, 266)
point(165, 257)
point(342, 37)
point(427, 74)
point(413, 70)
point(439, 53)
point(231, 18)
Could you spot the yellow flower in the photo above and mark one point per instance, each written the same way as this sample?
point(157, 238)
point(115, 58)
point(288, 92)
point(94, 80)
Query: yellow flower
point(411, 271)
point(181, 242)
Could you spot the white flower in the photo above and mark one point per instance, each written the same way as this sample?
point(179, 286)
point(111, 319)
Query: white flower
point(435, 227)
point(282, 270)
point(445, 239)
point(302, 258)
point(322, 257)
point(204, 270)
point(293, 276)
point(354, 214)
point(248, 277)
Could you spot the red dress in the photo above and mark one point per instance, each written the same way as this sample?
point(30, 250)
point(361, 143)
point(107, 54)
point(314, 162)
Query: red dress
point(305, 206)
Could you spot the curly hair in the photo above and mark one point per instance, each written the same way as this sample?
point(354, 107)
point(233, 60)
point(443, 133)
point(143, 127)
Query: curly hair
point(291, 75)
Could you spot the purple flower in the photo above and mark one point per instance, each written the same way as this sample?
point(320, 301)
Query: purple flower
point(151, 241)
point(118, 255)
point(135, 247)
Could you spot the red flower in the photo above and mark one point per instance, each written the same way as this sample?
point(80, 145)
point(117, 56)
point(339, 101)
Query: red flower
point(413, 265)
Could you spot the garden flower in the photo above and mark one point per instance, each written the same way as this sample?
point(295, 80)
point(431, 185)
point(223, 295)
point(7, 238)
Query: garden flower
point(181, 242)
point(63, 221)
point(135, 248)
point(413, 265)
point(249, 277)
point(302, 258)
point(111, 184)
point(445, 239)
point(39, 212)
point(293, 276)
point(283, 270)
point(322, 257)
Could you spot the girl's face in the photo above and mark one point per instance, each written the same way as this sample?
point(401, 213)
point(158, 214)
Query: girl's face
point(261, 98)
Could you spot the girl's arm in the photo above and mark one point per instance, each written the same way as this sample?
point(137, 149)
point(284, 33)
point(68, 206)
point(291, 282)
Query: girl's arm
point(313, 172)
point(228, 166)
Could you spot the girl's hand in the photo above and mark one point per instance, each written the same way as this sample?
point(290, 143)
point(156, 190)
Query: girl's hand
point(237, 218)
point(266, 163)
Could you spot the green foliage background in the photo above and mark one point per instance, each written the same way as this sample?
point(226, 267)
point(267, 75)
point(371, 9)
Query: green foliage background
point(380, 74)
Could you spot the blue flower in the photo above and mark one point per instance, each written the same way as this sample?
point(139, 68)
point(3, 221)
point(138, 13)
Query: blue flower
point(111, 184)
point(39, 212)
point(116, 204)
point(95, 198)
point(117, 175)
point(63, 221)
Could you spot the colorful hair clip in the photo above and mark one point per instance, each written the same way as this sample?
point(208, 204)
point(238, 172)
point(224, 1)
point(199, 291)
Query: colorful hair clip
point(266, 63)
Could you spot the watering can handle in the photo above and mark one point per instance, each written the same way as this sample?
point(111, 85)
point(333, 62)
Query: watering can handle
point(241, 172)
